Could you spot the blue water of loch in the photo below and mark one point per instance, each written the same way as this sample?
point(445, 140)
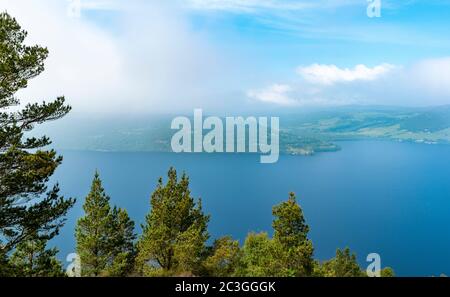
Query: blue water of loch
point(373, 196)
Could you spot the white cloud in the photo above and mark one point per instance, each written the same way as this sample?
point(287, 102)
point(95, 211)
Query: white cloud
point(153, 61)
point(247, 5)
point(97, 4)
point(253, 6)
point(431, 75)
point(277, 94)
point(83, 61)
point(296, 95)
point(331, 74)
point(423, 83)
point(150, 62)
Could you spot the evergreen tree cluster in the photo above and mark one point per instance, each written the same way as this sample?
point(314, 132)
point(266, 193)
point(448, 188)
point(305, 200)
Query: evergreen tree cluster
point(174, 241)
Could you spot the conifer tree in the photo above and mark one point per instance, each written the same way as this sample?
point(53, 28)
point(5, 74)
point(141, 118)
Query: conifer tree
point(291, 231)
point(262, 257)
point(174, 236)
point(122, 246)
point(343, 265)
point(288, 253)
point(224, 258)
point(29, 210)
point(5, 269)
point(289, 225)
point(387, 272)
point(32, 259)
point(93, 231)
point(105, 236)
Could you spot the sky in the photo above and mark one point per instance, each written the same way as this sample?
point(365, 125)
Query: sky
point(231, 56)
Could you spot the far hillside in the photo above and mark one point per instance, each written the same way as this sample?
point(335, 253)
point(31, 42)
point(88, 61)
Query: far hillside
point(302, 132)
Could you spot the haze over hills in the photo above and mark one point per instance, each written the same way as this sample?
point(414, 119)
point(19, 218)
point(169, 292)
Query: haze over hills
point(305, 132)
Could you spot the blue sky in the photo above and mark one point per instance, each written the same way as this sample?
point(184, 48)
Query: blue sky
point(403, 33)
point(242, 54)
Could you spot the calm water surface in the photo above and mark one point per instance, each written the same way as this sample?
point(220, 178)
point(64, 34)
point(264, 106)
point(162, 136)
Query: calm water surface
point(373, 196)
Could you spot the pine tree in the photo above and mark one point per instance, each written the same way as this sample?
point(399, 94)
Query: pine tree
point(262, 257)
point(174, 236)
point(291, 232)
point(224, 258)
point(288, 253)
point(32, 259)
point(289, 225)
point(28, 209)
point(343, 265)
point(387, 272)
point(93, 231)
point(121, 243)
point(5, 268)
point(105, 237)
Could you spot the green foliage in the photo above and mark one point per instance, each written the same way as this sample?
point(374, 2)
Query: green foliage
point(299, 259)
point(29, 211)
point(105, 236)
point(122, 239)
point(343, 265)
point(291, 232)
point(289, 224)
point(289, 253)
point(92, 231)
point(32, 259)
point(19, 62)
point(174, 236)
point(224, 258)
point(387, 272)
point(261, 256)
point(5, 268)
